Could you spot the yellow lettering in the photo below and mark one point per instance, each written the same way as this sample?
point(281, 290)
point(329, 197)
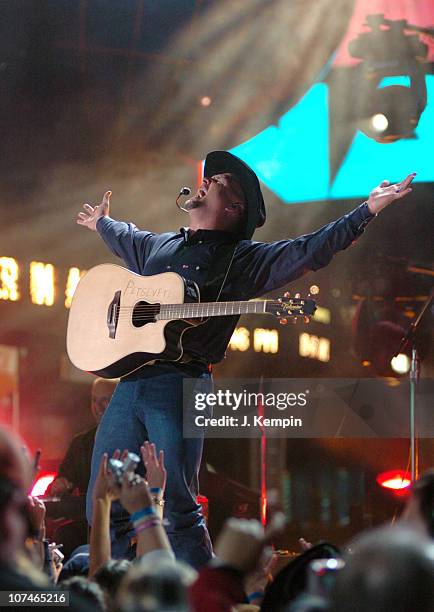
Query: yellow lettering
point(74, 275)
point(9, 272)
point(240, 340)
point(266, 340)
point(42, 290)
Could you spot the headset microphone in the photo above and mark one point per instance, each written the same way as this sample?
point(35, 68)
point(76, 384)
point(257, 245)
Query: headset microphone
point(185, 191)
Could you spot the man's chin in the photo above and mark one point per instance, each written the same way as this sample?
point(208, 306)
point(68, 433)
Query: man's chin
point(193, 203)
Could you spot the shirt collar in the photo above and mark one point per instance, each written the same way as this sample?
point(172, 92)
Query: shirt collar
point(206, 235)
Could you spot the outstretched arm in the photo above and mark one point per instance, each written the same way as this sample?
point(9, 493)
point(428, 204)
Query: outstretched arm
point(124, 239)
point(267, 267)
point(385, 194)
point(103, 494)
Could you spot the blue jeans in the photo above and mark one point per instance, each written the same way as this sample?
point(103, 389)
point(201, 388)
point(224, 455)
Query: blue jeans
point(149, 406)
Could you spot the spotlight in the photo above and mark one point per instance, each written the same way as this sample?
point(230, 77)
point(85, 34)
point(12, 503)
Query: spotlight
point(42, 483)
point(401, 364)
point(388, 113)
point(396, 480)
point(205, 101)
point(379, 122)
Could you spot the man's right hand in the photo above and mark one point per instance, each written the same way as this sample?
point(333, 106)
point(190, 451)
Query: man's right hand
point(92, 214)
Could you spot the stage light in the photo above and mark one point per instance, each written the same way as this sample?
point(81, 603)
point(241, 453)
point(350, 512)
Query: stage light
point(42, 483)
point(205, 101)
point(322, 315)
point(401, 364)
point(313, 347)
point(379, 122)
point(396, 480)
point(240, 340)
point(9, 272)
point(392, 69)
point(42, 290)
point(266, 340)
point(74, 275)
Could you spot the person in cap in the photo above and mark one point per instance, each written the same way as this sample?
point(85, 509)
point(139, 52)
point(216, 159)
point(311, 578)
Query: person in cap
point(217, 253)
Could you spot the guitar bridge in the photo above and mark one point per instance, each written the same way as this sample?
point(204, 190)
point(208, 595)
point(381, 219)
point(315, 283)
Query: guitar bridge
point(113, 314)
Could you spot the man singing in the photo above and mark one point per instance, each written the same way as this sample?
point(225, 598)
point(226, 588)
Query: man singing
point(215, 251)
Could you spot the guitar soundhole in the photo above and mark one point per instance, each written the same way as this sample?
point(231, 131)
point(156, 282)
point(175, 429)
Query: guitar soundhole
point(144, 313)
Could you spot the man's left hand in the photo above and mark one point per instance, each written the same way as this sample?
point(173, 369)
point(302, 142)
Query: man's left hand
point(385, 194)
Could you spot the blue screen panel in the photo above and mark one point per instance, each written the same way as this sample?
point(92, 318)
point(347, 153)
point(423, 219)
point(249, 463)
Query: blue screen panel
point(292, 158)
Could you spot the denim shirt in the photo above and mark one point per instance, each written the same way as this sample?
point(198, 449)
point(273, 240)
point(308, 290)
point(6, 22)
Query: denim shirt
point(257, 268)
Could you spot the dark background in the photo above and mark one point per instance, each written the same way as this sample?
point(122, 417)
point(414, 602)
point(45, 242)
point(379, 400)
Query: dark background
point(101, 94)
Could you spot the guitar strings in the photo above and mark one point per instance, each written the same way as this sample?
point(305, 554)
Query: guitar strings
point(148, 310)
point(148, 307)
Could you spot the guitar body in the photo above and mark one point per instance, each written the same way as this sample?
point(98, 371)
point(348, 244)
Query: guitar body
point(120, 321)
point(112, 330)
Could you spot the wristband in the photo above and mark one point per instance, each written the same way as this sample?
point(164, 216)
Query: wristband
point(255, 595)
point(156, 490)
point(148, 511)
point(144, 519)
point(148, 519)
point(147, 525)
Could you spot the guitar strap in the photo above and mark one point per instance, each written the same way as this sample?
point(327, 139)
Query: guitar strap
point(216, 279)
point(218, 273)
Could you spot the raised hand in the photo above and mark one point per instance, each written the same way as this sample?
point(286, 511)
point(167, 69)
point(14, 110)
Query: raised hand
point(134, 493)
point(241, 542)
point(385, 193)
point(104, 487)
point(154, 463)
point(93, 213)
point(36, 509)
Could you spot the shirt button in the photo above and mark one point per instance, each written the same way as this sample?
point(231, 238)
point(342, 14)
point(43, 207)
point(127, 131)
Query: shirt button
point(184, 266)
point(168, 267)
point(197, 267)
point(200, 242)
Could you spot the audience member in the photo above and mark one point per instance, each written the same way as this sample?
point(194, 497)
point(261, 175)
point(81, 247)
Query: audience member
point(388, 569)
point(89, 591)
point(419, 510)
point(74, 471)
point(109, 577)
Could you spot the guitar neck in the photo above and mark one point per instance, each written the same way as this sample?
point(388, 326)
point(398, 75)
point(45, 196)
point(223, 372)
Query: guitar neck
point(209, 309)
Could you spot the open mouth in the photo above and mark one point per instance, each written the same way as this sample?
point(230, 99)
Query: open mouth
point(201, 192)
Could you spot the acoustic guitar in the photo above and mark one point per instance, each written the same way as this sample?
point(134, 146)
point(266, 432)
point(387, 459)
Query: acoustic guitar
point(120, 321)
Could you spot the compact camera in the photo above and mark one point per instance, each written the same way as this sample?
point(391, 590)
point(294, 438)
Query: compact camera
point(119, 467)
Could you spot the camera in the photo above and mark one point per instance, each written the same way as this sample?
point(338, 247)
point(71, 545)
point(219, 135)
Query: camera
point(119, 467)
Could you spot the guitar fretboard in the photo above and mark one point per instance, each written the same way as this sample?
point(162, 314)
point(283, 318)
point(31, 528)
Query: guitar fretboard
point(209, 309)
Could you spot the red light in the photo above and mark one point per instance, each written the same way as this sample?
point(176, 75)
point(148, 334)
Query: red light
point(396, 480)
point(42, 483)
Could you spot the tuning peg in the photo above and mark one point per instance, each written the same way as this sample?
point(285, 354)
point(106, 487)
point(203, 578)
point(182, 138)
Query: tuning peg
point(298, 295)
point(287, 294)
point(306, 319)
point(279, 300)
point(283, 321)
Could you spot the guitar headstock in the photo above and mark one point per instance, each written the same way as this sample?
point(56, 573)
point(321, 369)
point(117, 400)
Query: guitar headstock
point(291, 307)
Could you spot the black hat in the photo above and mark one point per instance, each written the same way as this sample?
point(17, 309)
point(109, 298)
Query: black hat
point(291, 581)
point(219, 162)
